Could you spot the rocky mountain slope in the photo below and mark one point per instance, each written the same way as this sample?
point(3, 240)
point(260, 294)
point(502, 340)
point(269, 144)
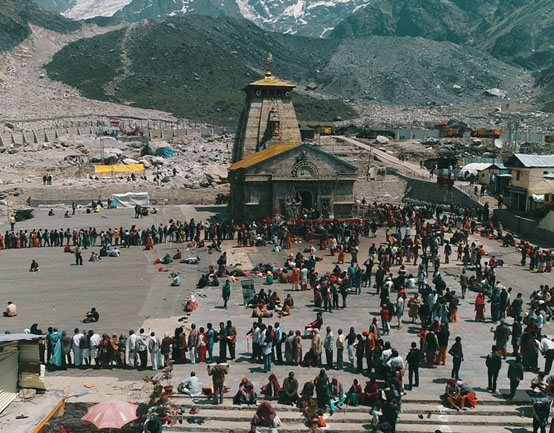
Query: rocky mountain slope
point(193, 66)
point(17, 15)
point(516, 31)
point(196, 66)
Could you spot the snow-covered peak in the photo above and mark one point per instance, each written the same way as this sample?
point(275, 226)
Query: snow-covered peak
point(305, 17)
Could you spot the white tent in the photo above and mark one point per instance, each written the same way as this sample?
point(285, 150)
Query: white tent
point(131, 199)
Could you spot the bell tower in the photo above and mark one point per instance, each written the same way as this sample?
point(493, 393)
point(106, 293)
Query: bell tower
point(268, 116)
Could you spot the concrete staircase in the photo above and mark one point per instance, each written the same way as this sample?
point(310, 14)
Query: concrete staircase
point(419, 414)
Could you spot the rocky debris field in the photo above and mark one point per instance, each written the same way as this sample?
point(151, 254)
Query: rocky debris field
point(197, 163)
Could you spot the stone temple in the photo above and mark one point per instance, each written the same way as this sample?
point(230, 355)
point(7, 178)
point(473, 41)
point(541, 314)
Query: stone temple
point(273, 172)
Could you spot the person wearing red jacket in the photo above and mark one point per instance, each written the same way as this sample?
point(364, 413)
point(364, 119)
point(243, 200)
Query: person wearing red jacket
point(385, 319)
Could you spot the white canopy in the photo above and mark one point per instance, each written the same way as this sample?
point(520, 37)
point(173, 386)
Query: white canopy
point(131, 199)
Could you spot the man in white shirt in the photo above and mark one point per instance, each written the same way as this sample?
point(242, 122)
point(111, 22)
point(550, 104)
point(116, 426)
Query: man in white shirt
point(190, 386)
point(132, 348)
point(95, 341)
point(154, 347)
point(547, 349)
point(77, 357)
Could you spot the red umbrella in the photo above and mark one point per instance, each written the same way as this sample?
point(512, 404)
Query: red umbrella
point(111, 414)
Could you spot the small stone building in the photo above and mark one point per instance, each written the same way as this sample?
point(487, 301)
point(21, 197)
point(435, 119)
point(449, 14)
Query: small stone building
point(286, 178)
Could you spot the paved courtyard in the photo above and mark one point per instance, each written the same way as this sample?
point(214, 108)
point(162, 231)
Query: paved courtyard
point(129, 292)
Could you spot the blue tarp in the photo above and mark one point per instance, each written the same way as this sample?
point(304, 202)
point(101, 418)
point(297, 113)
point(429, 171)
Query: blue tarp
point(165, 152)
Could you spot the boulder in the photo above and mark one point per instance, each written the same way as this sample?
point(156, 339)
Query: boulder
point(158, 160)
point(130, 161)
point(494, 92)
point(382, 139)
point(216, 173)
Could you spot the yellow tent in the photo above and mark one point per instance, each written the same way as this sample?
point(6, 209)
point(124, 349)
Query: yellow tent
point(103, 169)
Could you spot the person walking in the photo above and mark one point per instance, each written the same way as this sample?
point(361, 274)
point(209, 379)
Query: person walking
point(413, 357)
point(226, 293)
point(78, 256)
point(515, 374)
point(456, 351)
point(494, 364)
point(464, 282)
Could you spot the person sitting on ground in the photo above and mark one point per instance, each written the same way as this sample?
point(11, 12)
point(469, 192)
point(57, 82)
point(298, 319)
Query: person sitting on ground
point(51, 212)
point(177, 255)
point(114, 253)
point(167, 259)
point(202, 282)
point(454, 396)
point(246, 393)
point(11, 310)
point(191, 260)
point(67, 249)
point(66, 214)
point(269, 278)
point(34, 266)
point(337, 394)
point(213, 281)
point(271, 389)
point(176, 281)
point(94, 257)
point(103, 251)
point(92, 316)
point(289, 392)
point(190, 386)
point(354, 394)
point(261, 311)
point(266, 416)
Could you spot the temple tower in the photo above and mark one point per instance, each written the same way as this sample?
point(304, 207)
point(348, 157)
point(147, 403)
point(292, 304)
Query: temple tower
point(268, 117)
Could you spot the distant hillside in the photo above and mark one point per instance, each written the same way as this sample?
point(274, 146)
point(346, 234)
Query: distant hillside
point(545, 83)
point(517, 31)
point(196, 66)
point(16, 15)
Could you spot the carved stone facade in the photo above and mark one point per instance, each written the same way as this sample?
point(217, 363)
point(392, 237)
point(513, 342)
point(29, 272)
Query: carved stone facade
point(279, 179)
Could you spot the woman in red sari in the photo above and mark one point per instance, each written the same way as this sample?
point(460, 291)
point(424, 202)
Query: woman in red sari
point(480, 308)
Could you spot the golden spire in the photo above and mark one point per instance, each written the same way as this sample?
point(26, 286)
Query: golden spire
point(268, 70)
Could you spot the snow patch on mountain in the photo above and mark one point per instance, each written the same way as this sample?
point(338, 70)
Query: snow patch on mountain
point(84, 9)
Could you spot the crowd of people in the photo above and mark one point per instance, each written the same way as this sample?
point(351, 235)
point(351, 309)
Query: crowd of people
point(421, 237)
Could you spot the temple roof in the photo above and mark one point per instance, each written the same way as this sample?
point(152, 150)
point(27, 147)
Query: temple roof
point(262, 155)
point(281, 149)
point(270, 81)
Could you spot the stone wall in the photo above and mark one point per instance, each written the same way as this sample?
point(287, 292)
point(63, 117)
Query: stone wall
point(431, 192)
point(526, 227)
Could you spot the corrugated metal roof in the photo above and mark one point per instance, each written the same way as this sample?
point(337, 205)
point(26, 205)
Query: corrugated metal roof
point(5, 338)
point(531, 161)
point(262, 155)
